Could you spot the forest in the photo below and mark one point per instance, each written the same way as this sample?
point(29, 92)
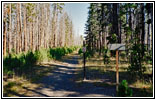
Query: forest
point(131, 24)
point(41, 49)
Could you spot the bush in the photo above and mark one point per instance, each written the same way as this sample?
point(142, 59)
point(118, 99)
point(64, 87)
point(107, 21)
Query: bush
point(106, 56)
point(19, 63)
point(80, 51)
point(148, 57)
point(41, 55)
point(57, 53)
point(89, 54)
point(124, 90)
point(136, 67)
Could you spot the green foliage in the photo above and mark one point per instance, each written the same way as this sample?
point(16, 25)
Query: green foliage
point(148, 57)
point(89, 54)
point(123, 54)
point(112, 38)
point(124, 90)
point(42, 55)
point(80, 51)
point(10, 84)
point(136, 69)
point(57, 53)
point(19, 63)
point(106, 55)
point(23, 62)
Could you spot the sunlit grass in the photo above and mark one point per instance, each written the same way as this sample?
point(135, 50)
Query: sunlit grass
point(96, 69)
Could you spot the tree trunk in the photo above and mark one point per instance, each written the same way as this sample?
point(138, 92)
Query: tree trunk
point(115, 21)
point(20, 27)
point(100, 44)
point(25, 28)
point(151, 10)
point(4, 29)
point(17, 28)
point(10, 30)
point(143, 29)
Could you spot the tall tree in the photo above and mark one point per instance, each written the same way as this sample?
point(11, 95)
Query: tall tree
point(4, 28)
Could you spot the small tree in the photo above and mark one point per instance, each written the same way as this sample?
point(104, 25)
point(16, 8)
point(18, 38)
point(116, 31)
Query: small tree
point(136, 68)
point(124, 90)
point(106, 55)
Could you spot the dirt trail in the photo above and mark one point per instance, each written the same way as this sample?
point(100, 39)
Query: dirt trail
point(61, 82)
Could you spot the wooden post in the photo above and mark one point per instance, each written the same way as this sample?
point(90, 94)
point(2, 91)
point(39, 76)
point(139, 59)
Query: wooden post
point(84, 61)
point(117, 48)
point(117, 71)
point(84, 68)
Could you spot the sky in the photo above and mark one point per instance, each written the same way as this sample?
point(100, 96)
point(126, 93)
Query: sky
point(78, 13)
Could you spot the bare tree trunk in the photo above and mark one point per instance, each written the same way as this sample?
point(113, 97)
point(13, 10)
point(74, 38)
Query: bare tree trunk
point(143, 29)
point(20, 27)
point(4, 29)
point(17, 28)
point(10, 30)
point(100, 44)
point(151, 10)
point(25, 28)
point(32, 38)
point(115, 21)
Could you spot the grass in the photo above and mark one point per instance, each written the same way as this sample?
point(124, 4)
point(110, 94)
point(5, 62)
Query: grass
point(97, 70)
point(16, 86)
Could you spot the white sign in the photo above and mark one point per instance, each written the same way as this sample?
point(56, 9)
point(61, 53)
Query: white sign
point(84, 49)
point(116, 46)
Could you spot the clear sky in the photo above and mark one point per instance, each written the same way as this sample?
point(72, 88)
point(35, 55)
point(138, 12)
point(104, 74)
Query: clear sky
point(78, 13)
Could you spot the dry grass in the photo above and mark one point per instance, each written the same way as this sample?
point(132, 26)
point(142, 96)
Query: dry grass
point(96, 68)
point(21, 86)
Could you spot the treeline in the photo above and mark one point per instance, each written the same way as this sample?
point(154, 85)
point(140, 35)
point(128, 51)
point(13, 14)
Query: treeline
point(32, 26)
point(129, 23)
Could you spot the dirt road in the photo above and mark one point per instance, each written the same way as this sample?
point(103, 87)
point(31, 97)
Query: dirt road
point(61, 82)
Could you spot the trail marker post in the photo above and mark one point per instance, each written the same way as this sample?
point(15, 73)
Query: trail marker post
point(117, 48)
point(84, 60)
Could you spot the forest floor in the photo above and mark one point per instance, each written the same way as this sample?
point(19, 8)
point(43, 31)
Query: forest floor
point(64, 79)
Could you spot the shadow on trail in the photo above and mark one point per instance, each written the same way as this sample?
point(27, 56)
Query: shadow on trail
point(36, 92)
point(71, 59)
point(62, 82)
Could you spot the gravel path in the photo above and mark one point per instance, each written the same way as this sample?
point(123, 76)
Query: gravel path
point(61, 83)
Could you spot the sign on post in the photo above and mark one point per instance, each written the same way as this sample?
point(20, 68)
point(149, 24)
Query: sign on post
point(117, 48)
point(84, 49)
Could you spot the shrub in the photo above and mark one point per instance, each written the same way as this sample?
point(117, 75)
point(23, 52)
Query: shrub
point(10, 63)
point(89, 53)
point(80, 51)
point(57, 53)
point(136, 67)
point(30, 58)
point(106, 56)
point(148, 57)
point(41, 55)
point(18, 62)
point(124, 90)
